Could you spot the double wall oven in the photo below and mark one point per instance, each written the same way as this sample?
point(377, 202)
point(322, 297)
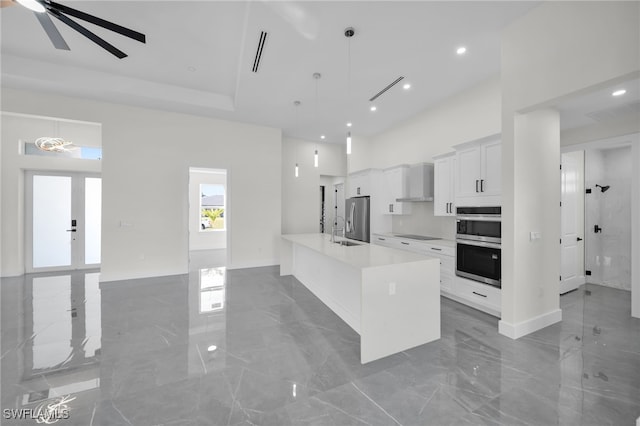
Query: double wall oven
point(478, 240)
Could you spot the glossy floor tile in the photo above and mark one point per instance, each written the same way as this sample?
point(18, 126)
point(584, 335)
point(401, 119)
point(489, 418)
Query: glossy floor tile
point(247, 346)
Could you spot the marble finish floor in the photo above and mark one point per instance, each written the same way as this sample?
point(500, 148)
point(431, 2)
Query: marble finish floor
point(248, 347)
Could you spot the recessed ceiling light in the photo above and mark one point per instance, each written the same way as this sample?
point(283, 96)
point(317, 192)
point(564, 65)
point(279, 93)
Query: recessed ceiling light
point(406, 86)
point(373, 108)
point(212, 348)
point(349, 124)
point(619, 92)
point(322, 136)
point(461, 50)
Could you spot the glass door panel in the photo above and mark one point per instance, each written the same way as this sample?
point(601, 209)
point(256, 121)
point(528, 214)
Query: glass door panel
point(51, 221)
point(64, 217)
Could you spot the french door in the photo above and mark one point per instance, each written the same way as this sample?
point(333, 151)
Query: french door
point(63, 220)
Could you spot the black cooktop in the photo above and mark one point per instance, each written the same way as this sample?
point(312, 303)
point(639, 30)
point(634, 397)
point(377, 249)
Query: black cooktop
point(416, 237)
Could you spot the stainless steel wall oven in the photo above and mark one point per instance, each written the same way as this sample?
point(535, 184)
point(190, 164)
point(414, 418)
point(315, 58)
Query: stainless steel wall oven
point(478, 238)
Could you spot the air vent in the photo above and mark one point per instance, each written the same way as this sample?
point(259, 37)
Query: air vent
point(396, 81)
point(616, 112)
point(261, 42)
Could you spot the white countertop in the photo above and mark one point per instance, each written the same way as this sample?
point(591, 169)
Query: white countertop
point(438, 242)
point(363, 255)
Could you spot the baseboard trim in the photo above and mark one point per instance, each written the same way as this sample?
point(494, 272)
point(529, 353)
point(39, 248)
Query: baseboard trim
point(256, 264)
point(515, 331)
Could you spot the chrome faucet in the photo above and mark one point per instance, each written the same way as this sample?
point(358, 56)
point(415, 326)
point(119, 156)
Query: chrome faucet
point(334, 228)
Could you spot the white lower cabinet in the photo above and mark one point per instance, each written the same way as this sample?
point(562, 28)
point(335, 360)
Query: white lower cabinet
point(480, 296)
point(477, 295)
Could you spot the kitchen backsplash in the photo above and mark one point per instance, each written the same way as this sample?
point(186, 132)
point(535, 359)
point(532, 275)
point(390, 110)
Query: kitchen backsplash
point(421, 221)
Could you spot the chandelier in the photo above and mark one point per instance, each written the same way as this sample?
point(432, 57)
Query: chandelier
point(54, 144)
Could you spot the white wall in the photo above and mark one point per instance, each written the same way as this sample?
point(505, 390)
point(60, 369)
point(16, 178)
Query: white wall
point(204, 239)
point(300, 196)
point(558, 49)
point(618, 127)
point(469, 115)
point(147, 155)
point(17, 129)
point(635, 231)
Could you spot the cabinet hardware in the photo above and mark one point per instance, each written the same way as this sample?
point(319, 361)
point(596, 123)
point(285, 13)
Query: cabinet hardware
point(358, 190)
point(436, 249)
point(481, 185)
point(477, 185)
point(381, 239)
point(406, 244)
point(390, 208)
point(479, 294)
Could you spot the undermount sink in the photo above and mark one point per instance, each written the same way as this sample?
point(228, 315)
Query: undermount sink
point(347, 243)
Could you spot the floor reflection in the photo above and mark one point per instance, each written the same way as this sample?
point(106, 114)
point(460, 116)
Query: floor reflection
point(234, 347)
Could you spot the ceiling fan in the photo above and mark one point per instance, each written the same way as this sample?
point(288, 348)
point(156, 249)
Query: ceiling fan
point(44, 8)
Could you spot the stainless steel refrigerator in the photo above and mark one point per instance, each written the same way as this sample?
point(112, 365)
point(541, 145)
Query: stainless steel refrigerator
point(357, 221)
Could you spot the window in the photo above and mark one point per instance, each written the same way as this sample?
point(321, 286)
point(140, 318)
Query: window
point(82, 152)
point(212, 202)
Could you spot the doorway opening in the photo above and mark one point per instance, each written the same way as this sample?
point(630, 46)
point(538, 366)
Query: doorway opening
point(63, 222)
point(331, 203)
point(609, 176)
point(208, 218)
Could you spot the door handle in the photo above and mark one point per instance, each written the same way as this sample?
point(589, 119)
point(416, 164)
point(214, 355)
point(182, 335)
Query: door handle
point(578, 239)
point(71, 230)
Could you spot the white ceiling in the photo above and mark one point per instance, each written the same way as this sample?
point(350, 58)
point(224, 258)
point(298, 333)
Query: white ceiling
point(599, 106)
point(199, 54)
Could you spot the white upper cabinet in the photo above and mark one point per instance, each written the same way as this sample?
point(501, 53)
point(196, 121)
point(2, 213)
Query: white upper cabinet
point(479, 172)
point(491, 172)
point(395, 185)
point(359, 184)
point(444, 185)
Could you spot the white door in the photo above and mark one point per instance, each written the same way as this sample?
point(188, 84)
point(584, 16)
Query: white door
point(572, 222)
point(64, 217)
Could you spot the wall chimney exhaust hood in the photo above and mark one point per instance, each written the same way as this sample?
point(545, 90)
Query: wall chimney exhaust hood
point(420, 183)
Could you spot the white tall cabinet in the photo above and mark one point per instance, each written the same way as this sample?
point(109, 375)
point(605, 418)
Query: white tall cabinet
point(479, 172)
point(444, 185)
point(395, 185)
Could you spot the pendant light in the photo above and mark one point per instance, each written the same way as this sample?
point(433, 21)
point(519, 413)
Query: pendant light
point(316, 77)
point(297, 105)
point(348, 33)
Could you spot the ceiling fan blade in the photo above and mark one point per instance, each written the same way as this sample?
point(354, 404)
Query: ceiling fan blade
point(97, 21)
point(88, 34)
point(52, 31)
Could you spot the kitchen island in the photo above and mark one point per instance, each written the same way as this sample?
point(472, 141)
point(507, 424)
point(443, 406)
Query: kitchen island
point(388, 296)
